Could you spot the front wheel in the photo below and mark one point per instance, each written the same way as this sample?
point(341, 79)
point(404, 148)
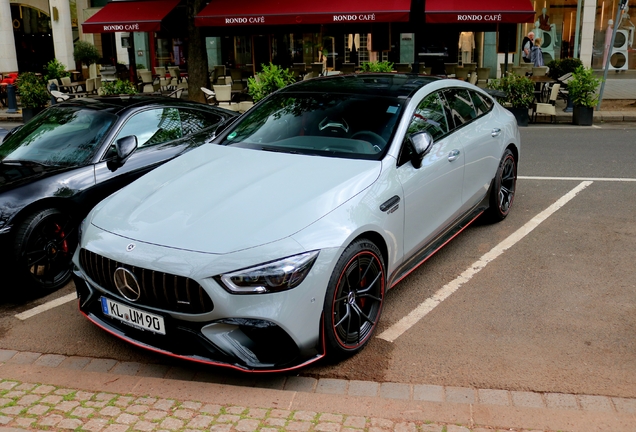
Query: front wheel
point(44, 245)
point(502, 194)
point(354, 299)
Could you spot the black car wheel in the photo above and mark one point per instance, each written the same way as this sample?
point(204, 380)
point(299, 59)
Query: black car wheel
point(44, 246)
point(502, 194)
point(354, 299)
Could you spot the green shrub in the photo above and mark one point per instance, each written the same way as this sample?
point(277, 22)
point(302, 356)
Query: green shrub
point(558, 68)
point(377, 67)
point(582, 87)
point(32, 90)
point(519, 90)
point(270, 79)
point(86, 53)
point(118, 87)
point(55, 70)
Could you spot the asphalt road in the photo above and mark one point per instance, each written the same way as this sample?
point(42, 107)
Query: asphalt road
point(554, 311)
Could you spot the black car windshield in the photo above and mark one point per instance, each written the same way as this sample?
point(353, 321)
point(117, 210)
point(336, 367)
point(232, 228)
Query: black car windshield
point(60, 136)
point(337, 125)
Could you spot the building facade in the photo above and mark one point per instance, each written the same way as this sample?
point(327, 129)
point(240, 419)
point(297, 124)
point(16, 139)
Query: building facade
point(34, 31)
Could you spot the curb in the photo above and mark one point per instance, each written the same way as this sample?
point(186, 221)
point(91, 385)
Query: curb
point(397, 403)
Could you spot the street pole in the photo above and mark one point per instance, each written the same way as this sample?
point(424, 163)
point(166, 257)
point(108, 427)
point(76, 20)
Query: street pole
point(609, 54)
point(577, 30)
point(418, 22)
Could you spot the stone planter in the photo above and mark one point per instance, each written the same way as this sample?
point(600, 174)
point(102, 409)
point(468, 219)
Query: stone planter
point(29, 113)
point(583, 116)
point(521, 114)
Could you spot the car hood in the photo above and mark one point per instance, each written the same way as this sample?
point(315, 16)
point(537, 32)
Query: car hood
point(218, 199)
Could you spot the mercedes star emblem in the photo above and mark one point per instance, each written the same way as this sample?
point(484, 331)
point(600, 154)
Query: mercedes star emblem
point(127, 284)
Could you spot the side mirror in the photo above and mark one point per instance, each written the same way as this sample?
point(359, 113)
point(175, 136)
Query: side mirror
point(125, 147)
point(421, 144)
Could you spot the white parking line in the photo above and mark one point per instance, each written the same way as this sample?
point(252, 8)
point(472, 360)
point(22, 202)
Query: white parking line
point(397, 329)
point(592, 179)
point(46, 306)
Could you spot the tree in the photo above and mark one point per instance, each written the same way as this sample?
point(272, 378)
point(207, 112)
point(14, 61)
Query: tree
point(85, 53)
point(197, 55)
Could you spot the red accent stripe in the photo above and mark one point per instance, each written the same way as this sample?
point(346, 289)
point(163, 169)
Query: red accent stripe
point(436, 250)
point(206, 362)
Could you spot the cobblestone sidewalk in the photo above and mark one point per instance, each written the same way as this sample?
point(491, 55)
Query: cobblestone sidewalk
point(45, 407)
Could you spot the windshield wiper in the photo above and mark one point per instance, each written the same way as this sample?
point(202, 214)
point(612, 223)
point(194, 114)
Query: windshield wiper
point(279, 150)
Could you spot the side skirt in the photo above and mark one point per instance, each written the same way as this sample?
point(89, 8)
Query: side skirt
point(459, 225)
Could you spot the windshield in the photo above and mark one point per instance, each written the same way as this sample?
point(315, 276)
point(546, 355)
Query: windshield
point(60, 136)
point(336, 125)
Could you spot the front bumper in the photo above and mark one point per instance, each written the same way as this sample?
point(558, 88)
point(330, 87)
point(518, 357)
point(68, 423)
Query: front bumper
point(243, 344)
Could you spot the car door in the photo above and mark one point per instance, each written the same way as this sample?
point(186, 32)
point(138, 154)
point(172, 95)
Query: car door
point(483, 151)
point(479, 134)
point(432, 193)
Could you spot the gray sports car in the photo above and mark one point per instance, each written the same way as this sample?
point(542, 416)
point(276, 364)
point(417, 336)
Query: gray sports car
point(276, 247)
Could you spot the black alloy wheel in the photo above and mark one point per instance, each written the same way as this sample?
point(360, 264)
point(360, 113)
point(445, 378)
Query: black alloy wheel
point(44, 246)
point(354, 299)
point(503, 191)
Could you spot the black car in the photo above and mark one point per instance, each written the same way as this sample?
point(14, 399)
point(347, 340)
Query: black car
point(56, 167)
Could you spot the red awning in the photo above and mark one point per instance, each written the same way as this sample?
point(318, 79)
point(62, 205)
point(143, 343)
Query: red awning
point(129, 16)
point(282, 12)
point(479, 11)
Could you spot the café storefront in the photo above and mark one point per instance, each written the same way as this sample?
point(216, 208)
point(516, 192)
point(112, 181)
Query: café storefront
point(255, 32)
point(153, 31)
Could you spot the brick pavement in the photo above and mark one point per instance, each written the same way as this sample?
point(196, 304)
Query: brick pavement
point(56, 392)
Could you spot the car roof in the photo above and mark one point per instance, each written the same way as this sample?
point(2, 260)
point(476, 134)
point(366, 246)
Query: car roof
point(375, 84)
point(116, 104)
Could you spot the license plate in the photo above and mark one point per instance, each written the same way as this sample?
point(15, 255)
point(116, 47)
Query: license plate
point(133, 317)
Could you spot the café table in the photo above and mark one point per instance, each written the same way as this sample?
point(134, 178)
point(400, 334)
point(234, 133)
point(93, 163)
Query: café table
point(542, 84)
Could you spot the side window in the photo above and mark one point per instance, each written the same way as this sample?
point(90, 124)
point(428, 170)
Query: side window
point(429, 116)
point(154, 126)
point(193, 121)
point(482, 103)
point(461, 106)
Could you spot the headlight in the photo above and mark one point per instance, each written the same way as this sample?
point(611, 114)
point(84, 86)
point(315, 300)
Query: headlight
point(275, 276)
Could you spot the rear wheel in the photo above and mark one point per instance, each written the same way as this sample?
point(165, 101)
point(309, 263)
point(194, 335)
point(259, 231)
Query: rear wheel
point(502, 194)
point(44, 245)
point(354, 299)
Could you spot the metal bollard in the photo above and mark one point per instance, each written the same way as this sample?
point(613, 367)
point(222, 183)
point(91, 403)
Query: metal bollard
point(11, 99)
point(52, 86)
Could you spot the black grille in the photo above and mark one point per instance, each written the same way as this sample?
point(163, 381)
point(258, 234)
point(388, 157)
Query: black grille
point(158, 290)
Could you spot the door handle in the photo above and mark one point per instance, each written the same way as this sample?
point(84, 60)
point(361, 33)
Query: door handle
point(495, 132)
point(454, 154)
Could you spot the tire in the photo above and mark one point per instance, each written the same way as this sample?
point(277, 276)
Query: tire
point(502, 193)
point(43, 248)
point(351, 315)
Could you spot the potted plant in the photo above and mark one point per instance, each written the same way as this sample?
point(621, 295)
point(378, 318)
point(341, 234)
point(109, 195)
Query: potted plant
point(118, 88)
point(33, 94)
point(384, 66)
point(54, 70)
point(582, 90)
point(86, 53)
point(519, 95)
point(270, 79)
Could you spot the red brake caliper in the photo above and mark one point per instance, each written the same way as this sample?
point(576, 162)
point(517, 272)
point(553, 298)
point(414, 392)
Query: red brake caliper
point(58, 231)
